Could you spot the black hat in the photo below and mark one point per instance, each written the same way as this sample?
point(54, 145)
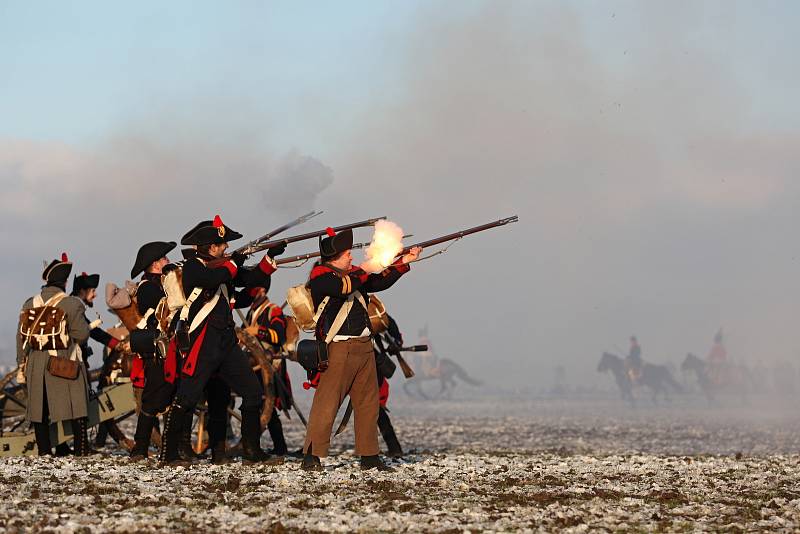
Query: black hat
point(58, 271)
point(210, 233)
point(85, 281)
point(335, 244)
point(150, 252)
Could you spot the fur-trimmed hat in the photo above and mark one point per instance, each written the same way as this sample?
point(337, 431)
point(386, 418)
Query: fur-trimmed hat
point(150, 252)
point(57, 273)
point(334, 244)
point(212, 232)
point(85, 281)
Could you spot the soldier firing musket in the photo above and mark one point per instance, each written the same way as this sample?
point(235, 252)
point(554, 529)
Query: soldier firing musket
point(341, 361)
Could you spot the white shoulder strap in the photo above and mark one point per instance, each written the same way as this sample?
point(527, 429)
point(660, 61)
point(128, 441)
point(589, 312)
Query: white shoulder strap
point(338, 321)
point(320, 309)
point(207, 307)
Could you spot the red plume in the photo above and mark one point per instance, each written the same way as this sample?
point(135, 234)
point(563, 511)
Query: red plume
point(64, 258)
point(84, 273)
point(217, 221)
point(330, 231)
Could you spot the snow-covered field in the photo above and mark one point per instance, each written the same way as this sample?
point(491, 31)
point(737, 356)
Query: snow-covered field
point(479, 465)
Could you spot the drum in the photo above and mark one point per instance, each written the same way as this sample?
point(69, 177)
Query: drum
point(378, 318)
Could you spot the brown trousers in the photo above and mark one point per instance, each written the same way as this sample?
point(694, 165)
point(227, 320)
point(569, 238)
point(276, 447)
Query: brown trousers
point(351, 371)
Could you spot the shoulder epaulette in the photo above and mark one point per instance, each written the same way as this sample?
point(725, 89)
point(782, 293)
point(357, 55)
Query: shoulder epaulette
point(319, 270)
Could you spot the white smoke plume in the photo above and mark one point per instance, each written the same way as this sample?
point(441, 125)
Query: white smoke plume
point(387, 242)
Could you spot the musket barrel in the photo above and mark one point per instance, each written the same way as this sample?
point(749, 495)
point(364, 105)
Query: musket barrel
point(310, 255)
point(312, 235)
point(462, 233)
point(248, 247)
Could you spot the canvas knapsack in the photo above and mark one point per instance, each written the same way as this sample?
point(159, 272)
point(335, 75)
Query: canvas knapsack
point(44, 326)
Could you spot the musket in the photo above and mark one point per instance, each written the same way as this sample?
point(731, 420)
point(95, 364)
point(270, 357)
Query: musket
point(311, 235)
point(423, 244)
point(310, 255)
point(458, 235)
point(408, 372)
point(245, 249)
point(264, 245)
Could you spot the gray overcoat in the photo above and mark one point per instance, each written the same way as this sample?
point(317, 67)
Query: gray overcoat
point(66, 399)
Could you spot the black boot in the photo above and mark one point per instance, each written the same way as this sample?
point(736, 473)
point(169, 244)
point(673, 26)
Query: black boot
point(275, 429)
point(219, 454)
point(251, 437)
point(311, 462)
point(217, 432)
point(374, 462)
point(62, 449)
point(185, 450)
point(387, 431)
point(144, 428)
point(80, 436)
point(42, 432)
point(102, 435)
point(170, 438)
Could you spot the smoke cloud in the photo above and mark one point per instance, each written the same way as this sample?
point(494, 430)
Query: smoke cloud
point(655, 196)
point(297, 182)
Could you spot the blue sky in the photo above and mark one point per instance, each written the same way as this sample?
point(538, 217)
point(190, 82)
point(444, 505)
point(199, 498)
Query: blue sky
point(72, 70)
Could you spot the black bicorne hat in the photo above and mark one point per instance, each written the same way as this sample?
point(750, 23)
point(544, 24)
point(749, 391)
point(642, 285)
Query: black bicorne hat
point(210, 233)
point(85, 281)
point(334, 243)
point(58, 271)
point(150, 252)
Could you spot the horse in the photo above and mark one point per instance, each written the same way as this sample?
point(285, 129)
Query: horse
point(446, 373)
point(656, 377)
point(729, 378)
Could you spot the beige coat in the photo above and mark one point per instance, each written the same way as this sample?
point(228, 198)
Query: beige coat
point(66, 399)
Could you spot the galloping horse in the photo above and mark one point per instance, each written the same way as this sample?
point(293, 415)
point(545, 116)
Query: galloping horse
point(656, 377)
point(729, 378)
point(446, 373)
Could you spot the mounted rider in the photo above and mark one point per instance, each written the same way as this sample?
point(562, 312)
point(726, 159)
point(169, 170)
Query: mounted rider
point(718, 360)
point(633, 362)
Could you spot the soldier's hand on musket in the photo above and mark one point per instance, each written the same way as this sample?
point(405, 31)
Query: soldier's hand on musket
point(277, 250)
point(412, 254)
point(238, 258)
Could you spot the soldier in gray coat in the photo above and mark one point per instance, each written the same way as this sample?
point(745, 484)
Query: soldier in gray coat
point(51, 398)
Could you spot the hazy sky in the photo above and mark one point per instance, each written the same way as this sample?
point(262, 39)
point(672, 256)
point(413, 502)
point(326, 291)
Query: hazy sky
point(649, 148)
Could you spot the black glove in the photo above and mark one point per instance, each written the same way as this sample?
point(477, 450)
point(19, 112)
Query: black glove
point(277, 250)
point(238, 258)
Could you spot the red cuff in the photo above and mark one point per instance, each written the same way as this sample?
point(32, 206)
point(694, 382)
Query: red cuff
point(232, 268)
point(401, 267)
point(113, 342)
point(361, 275)
point(267, 266)
point(279, 319)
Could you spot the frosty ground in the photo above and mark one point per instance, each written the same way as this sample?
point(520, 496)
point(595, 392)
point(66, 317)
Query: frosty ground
point(477, 465)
